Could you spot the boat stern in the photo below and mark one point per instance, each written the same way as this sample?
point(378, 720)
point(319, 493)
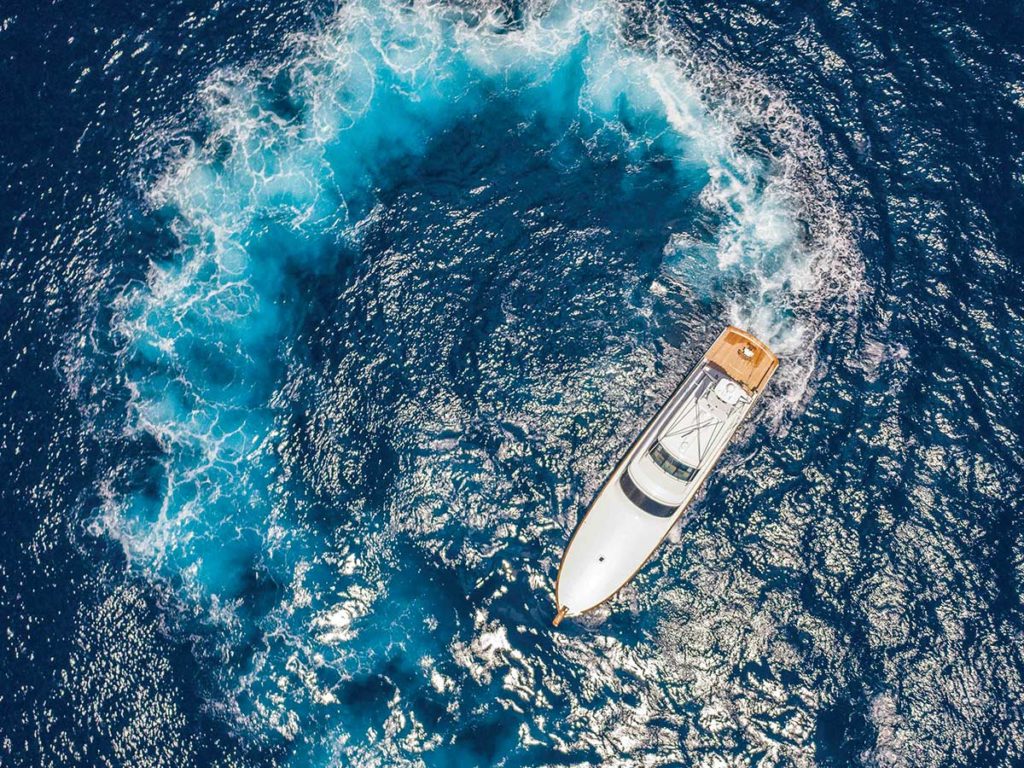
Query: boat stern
point(744, 358)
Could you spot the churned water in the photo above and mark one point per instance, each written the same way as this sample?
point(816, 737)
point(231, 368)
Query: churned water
point(324, 323)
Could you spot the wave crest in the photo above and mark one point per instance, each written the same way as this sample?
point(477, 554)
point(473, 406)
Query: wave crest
point(281, 190)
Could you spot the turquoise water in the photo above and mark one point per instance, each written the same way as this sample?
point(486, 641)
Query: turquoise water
point(348, 311)
point(371, 306)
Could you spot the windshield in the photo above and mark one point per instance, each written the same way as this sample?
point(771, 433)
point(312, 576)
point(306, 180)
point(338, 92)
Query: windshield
point(670, 465)
point(642, 500)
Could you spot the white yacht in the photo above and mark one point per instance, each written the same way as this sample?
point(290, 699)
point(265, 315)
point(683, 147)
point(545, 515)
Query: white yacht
point(655, 481)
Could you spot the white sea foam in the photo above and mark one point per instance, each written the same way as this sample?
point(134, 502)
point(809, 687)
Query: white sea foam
point(290, 167)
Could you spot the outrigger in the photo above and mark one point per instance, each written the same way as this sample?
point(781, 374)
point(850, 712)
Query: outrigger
point(656, 480)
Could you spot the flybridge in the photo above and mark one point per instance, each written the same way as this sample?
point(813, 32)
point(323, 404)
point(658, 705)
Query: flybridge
point(667, 464)
point(692, 434)
point(697, 428)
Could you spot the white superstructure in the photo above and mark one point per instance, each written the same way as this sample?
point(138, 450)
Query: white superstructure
point(658, 477)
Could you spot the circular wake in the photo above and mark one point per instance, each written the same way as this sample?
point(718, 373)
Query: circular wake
point(426, 268)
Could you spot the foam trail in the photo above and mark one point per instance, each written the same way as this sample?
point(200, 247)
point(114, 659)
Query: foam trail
point(278, 192)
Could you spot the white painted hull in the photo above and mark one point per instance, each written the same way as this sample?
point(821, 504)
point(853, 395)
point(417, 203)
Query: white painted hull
point(616, 537)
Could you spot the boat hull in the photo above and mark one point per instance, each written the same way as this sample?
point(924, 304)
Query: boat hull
point(615, 538)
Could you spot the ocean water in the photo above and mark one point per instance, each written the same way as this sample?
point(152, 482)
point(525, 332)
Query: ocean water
point(323, 323)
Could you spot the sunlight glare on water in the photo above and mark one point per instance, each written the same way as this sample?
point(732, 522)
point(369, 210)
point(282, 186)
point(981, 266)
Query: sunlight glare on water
point(324, 324)
point(342, 371)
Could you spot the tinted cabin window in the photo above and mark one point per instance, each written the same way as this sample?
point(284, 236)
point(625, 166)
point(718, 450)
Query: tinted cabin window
point(670, 465)
point(642, 500)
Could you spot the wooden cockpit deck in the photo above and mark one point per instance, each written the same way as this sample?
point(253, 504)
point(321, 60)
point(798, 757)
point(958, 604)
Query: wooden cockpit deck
point(744, 358)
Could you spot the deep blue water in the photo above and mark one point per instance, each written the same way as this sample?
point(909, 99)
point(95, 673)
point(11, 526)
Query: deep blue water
point(321, 325)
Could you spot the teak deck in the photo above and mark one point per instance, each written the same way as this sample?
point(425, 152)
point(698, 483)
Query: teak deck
point(744, 358)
